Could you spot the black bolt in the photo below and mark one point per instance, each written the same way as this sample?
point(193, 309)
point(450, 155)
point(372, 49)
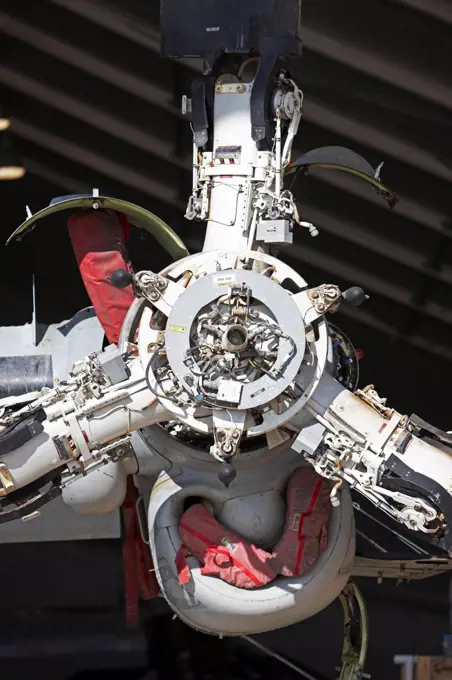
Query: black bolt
point(227, 473)
point(121, 278)
point(354, 296)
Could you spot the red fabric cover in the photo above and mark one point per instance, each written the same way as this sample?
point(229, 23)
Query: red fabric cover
point(139, 574)
point(307, 516)
point(125, 225)
point(98, 239)
point(222, 552)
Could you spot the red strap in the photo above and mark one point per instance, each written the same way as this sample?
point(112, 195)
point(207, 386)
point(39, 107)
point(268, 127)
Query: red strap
point(323, 538)
point(149, 587)
point(219, 551)
point(130, 565)
point(125, 225)
point(182, 567)
point(137, 561)
point(240, 566)
point(97, 237)
point(197, 535)
point(304, 515)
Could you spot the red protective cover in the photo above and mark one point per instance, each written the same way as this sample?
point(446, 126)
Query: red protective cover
point(221, 552)
point(307, 516)
point(98, 238)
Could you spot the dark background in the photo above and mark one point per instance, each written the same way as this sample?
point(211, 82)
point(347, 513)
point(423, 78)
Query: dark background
point(92, 105)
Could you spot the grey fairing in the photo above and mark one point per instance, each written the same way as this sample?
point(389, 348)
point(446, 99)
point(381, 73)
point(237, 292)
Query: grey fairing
point(101, 492)
point(209, 604)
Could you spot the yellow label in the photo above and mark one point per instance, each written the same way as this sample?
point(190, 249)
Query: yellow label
point(178, 329)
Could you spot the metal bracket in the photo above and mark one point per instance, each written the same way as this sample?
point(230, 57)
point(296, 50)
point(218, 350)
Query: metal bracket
point(228, 430)
point(326, 298)
point(402, 570)
point(371, 397)
point(6, 481)
point(356, 627)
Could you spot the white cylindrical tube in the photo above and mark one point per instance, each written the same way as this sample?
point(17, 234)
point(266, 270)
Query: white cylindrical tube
point(39, 455)
point(35, 458)
point(383, 432)
point(128, 414)
point(429, 461)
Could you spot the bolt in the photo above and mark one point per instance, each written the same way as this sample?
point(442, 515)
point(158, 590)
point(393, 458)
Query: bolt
point(321, 307)
point(314, 294)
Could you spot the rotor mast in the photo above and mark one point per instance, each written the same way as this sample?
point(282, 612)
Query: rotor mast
point(244, 112)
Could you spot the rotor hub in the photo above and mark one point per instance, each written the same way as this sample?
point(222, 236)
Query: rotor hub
point(231, 348)
point(232, 352)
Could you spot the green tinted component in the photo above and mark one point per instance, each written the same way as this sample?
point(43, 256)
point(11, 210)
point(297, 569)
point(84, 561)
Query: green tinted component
point(137, 216)
point(345, 160)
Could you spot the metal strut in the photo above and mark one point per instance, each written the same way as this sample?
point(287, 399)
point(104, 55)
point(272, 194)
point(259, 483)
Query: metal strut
point(356, 634)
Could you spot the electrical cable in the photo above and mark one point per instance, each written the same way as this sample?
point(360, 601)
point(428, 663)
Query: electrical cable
point(148, 382)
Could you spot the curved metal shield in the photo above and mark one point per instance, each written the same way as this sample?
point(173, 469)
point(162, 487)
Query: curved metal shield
point(346, 160)
point(138, 217)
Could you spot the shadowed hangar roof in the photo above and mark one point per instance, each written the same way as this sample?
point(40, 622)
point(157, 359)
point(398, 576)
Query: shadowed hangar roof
point(92, 105)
